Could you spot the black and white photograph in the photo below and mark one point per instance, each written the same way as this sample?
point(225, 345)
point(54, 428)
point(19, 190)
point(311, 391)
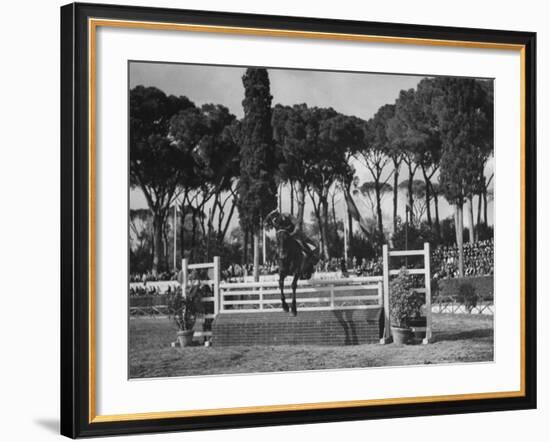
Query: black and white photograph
point(290, 220)
point(274, 221)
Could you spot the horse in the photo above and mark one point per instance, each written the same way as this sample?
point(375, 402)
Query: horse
point(295, 261)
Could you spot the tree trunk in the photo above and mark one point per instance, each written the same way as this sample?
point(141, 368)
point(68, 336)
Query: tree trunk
point(395, 195)
point(324, 221)
point(478, 222)
point(208, 233)
point(251, 245)
point(410, 196)
point(193, 234)
point(321, 236)
point(350, 232)
point(428, 208)
point(158, 224)
point(471, 226)
point(485, 207)
point(301, 201)
point(245, 247)
point(165, 244)
point(459, 227)
point(436, 206)
point(291, 198)
point(152, 242)
point(256, 256)
point(333, 212)
point(223, 233)
point(182, 232)
point(317, 211)
point(378, 207)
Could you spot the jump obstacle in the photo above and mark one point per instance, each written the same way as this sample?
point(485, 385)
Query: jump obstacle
point(352, 310)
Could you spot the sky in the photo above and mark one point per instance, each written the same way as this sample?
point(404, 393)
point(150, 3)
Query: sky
point(350, 93)
point(356, 94)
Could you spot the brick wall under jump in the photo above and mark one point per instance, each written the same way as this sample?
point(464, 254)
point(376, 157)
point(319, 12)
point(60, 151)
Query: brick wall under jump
point(327, 327)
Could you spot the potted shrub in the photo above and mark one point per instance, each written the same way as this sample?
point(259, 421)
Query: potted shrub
point(467, 296)
point(185, 310)
point(405, 304)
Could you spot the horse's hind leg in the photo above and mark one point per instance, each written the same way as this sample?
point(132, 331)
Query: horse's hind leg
point(294, 285)
point(282, 288)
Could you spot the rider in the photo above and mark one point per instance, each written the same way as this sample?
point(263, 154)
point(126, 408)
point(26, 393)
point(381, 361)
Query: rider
point(285, 221)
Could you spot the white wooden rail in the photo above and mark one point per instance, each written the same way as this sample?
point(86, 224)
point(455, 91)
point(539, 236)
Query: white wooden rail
point(313, 295)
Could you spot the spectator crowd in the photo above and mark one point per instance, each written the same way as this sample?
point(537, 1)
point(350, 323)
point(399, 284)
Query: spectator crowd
point(149, 290)
point(478, 261)
point(150, 277)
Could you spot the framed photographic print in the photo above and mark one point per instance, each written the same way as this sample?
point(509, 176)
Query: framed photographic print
point(278, 220)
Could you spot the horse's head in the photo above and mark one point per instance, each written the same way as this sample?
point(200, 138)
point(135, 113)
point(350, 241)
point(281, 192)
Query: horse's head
point(271, 219)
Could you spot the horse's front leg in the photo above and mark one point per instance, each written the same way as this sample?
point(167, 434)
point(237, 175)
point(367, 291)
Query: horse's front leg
point(282, 288)
point(294, 285)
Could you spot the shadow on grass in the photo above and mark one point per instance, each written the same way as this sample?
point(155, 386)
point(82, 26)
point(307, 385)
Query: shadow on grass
point(463, 335)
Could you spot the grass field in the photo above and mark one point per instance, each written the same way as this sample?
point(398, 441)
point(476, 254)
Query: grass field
point(458, 338)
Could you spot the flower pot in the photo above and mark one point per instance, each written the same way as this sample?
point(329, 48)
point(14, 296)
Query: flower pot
point(416, 323)
point(401, 335)
point(185, 338)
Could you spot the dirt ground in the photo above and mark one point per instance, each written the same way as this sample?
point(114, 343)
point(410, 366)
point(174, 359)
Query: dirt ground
point(457, 338)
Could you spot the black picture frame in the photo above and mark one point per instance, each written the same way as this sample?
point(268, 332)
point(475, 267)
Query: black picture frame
point(75, 221)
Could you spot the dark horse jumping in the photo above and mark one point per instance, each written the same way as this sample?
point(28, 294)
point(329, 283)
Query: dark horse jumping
point(297, 255)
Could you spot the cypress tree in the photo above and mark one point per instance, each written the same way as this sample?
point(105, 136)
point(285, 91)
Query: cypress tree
point(257, 188)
